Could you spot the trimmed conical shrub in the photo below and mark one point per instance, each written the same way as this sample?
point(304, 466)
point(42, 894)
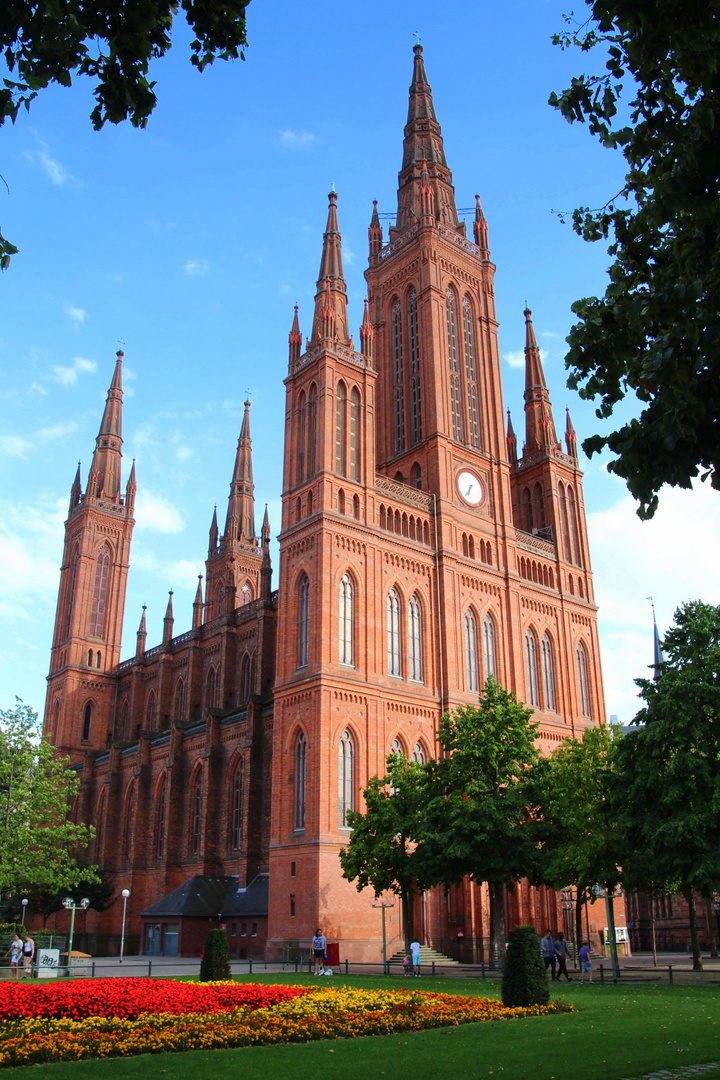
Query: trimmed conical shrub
point(215, 963)
point(525, 980)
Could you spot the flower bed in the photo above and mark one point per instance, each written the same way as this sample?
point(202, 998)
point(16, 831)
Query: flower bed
point(275, 1014)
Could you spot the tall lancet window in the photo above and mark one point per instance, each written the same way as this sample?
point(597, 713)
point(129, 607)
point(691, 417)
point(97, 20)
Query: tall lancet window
point(100, 592)
point(531, 668)
point(300, 775)
point(398, 377)
point(341, 429)
point(71, 591)
point(345, 778)
point(303, 621)
point(355, 435)
point(346, 620)
point(471, 372)
point(572, 515)
point(196, 813)
point(548, 674)
point(237, 806)
point(393, 633)
point(414, 639)
point(454, 364)
point(312, 429)
point(489, 647)
point(302, 435)
point(471, 667)
point(583, 680)
point(415, 391)
point(160, 818)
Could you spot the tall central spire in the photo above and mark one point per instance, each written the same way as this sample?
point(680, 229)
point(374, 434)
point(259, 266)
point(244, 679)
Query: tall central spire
point(240, 521)
point(423, 149)
point(539, 423)
point(104, 478)
point(330, 319)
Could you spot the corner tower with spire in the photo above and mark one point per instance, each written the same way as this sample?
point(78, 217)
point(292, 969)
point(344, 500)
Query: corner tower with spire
point(91, 599)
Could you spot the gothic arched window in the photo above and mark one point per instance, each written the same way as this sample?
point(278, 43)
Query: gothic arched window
point(416, 476)
point(300, 776)
point(220, 604)
point(71, 590)
point(531, 668)
point(179, 699)
point(245, 678)
point(539, 506)
point(345, 778)
point(583, 681)
point(150, 711)
point(415, 389)
point(312, 429)
point(87, 717)
point(341, 429)
point(572, 515)
point(419, 753)
point(489, 647)
point(454, 364)
point(528, 509)
point(100, 592)
point(246, 594)
point(211, 687)
point(471, 651)
point(160, 819)
point(303, 621)
point(393, 633)
point(471, 372)
point(398, 377)
point(414, 639)
point(237, 807)
point(346, 620)
point(548, 673)
point(196, 812)
point(302, 435)
point(355, 435)
point(564, 522)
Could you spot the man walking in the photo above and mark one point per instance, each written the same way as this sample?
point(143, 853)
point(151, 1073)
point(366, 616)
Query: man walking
point(415, 952)
point(560, 946)
point(548, 952)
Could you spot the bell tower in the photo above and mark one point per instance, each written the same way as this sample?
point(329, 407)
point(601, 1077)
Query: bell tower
point(91, 597)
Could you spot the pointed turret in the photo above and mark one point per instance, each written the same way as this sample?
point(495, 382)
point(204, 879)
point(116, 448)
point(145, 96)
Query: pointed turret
point(375, 236)
point(330, 319)
point(367, 333)
point(480, 230)
point(423, 147)
point(131, 488)
point(198, 606)
point(658, 654)
point(511, 439)
point(295, 340)
point(168, 621)
point(570, 436)
point(266, 568)
point(141, 634)
point(427, 197)
point(105, 468)
point(240, 521)
point(76, 490)
point(539, 424)
point(213, 540)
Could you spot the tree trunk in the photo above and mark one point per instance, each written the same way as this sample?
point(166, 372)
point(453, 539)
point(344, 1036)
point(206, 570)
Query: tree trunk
point(652, 928)
point(491, 937)
point(499, 928)
point(612, 934)
point(711, 927)
point(579, 901)
point(697, 959)
point(407, 907)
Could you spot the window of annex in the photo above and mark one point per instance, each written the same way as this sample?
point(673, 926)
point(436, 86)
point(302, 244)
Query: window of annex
point(489, 646)
point(393, 633)
point(236, 824)
point(303, 621)
point(345, 620)
point(548, 671)
point(471, 664)
point(583, 681)
point(531, 669)
point(345, 778)
point(300, 780)
point(415, 666)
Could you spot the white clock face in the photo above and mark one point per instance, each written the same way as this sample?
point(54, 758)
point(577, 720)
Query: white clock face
point(470, 487)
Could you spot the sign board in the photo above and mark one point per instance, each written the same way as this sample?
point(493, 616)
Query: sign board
point(48, 962)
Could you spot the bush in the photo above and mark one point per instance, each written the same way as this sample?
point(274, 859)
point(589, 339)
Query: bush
point(215, 963)
point(524, 978)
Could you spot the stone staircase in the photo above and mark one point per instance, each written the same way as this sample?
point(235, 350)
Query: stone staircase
point(428, 956)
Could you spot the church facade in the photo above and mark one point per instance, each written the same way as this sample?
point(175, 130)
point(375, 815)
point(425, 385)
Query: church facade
point(420, 551)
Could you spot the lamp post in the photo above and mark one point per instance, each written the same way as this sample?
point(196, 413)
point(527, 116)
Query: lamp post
point(24, 907)
point(383, 903)
point(567, 897)
point(72, 907)
point(125, 894)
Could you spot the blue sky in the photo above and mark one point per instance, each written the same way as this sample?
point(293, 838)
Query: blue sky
point(190, 241)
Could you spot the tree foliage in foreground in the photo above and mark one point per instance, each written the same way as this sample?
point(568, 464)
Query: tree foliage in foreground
point(38, 842)
point(524, 980)
point(656, 331)
point(665, 784)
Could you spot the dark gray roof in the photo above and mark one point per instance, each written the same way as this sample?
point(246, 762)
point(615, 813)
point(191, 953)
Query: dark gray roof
point(207, 896)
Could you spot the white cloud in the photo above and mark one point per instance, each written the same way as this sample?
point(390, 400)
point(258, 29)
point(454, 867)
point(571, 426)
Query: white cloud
point(516, 358)
point(183, 453)
point(195, 267)
point(295, 140)
point(183, 572)
point(56, 431)
point(76, 314)
point(37, 388)
point(57, 172)
point(68, 376)
point(155, 513)
point(550, 334)
point(30, 547)
point(673, 558)
point(348, 255)
point(14, 445)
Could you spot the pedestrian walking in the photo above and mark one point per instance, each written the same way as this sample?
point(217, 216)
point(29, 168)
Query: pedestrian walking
point(561, 951)
point(15, 952)
point(28, 953)
point(585, 964)
point(548, 952)
point(415, 953)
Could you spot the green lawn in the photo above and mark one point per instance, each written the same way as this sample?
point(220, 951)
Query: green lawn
point(617, 1032)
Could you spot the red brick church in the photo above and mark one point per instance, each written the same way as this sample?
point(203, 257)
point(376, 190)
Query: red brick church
point(419, 552)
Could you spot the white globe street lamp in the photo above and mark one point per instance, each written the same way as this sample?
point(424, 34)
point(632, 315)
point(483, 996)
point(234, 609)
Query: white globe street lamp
point(72, 907)
point(24, 907)
point(125, 894)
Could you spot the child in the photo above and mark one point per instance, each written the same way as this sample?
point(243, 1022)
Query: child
point(406, 966)
point(585, 964)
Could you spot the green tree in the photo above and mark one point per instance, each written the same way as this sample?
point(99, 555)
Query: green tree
point(215, 963)
point(579, 842)
point(479, 813)
point(656, 331)
point(112, 43)
point(383, 850)
point(38, 844)
point(665, 785)
point(524, 980)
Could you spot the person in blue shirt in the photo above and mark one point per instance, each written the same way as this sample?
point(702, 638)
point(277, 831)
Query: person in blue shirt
point(318, 944)
point(548, 952)
point(585, 965)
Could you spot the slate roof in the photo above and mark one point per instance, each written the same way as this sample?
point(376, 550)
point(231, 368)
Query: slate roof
point(207, 896)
